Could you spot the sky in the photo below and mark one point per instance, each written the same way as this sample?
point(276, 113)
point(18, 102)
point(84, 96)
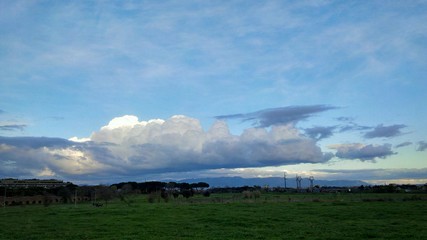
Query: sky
point(110, 91)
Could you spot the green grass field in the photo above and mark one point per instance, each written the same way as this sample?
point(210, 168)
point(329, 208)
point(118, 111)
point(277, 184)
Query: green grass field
point(226, 216)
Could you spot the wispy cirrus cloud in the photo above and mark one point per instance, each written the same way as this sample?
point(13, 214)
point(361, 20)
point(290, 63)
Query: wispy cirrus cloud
point(12, 127)
point(350, 125)
point(404, 144)
point(353, 127)
point(345, 119)
point(278, 116)
point(9, 122)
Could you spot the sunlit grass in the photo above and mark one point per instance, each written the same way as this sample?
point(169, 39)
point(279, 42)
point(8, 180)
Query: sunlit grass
point(224, 216)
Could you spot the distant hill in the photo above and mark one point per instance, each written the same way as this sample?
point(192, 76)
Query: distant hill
point(272, 182)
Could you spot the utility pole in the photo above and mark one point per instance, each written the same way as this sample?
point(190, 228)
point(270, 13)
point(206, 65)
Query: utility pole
point(75, 198)
point(311, 179)
point(298, 180)
point(4, 198)
point(284, 179)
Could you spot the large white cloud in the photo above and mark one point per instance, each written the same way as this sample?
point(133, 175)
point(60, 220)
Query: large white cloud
point(180, 143)
point(130, 147)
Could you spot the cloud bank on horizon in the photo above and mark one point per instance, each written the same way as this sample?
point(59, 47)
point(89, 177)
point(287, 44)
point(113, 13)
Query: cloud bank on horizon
point(128, 147)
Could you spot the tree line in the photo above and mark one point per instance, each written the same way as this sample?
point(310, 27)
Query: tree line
point(71, 192)
point(155, 186)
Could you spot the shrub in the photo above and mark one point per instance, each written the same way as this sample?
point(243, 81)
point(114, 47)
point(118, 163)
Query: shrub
point(164, 195)
point(46, 203)
point(412, 198)
point(187, 193)
point(249, 195)
point(256, 194)
point(153, 197)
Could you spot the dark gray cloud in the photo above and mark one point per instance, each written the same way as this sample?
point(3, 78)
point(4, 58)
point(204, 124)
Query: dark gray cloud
point(319, 132)
point(12, 127)
point(279, 116)
point(422, 146)
point(350, 125)
point(404, 144)
point(35, 142)
point(363, 152)
point(382, 131)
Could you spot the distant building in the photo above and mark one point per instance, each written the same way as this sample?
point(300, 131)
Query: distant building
point(30, 200)
point(29, 183)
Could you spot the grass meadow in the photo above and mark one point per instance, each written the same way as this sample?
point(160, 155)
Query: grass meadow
point(226, 216)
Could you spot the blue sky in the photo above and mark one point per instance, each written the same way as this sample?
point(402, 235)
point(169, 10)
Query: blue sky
point(95, 91)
